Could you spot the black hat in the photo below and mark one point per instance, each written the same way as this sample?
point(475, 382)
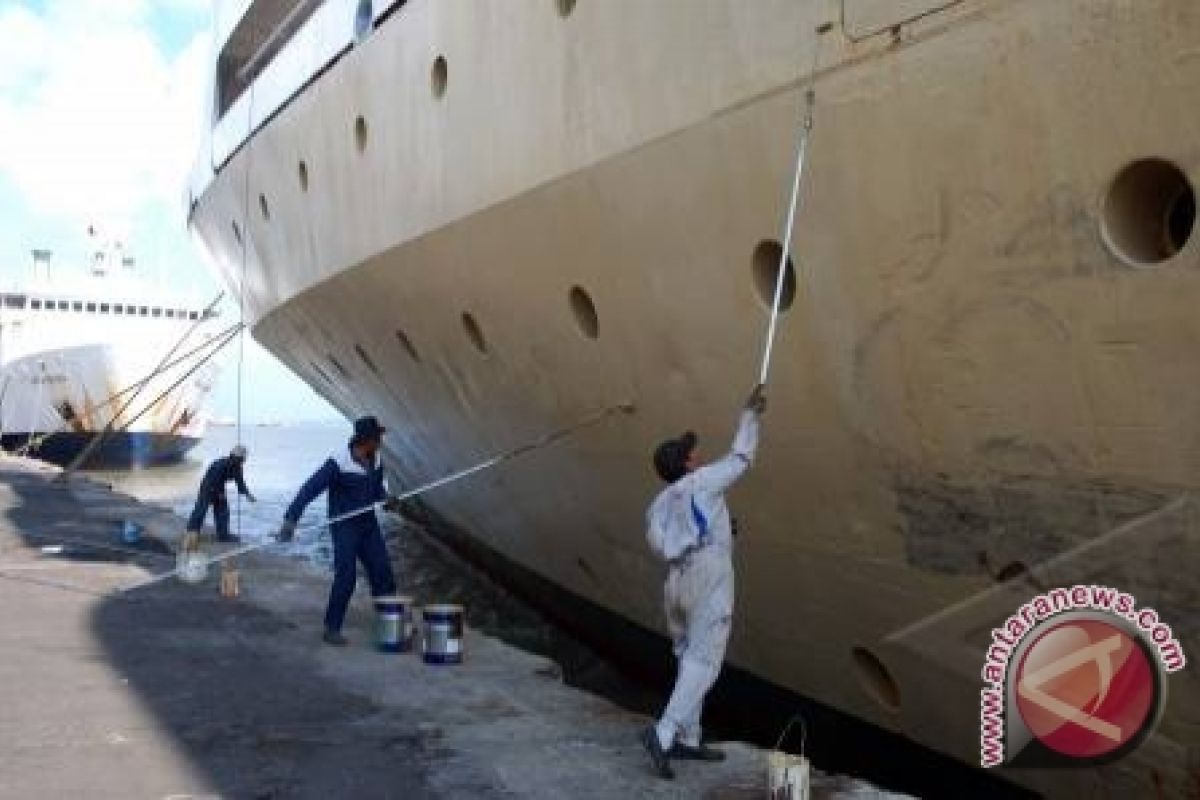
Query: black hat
point(367, 428)
point(670, 457)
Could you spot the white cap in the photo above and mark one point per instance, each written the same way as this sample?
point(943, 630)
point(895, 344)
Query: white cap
point(238, 452)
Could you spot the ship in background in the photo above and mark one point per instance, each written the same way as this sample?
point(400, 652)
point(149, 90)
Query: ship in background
point(76, 350)
point(482, 220)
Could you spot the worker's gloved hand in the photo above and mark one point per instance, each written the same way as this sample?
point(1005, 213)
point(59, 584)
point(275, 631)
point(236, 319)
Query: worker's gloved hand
point(287, 531)
point(757, 402)
point(392, 504)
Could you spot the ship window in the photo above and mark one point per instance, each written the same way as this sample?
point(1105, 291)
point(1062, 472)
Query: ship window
point(35, 304)
point(14, 301)
point(360, 134)
point(366, 359)
point(170, 313)
point(407, 344)
point(143, 311)
point(766, 274)
point(105, 308)
point(156, 312)
point(118, 308)
point(193, 315)
point(1149, 212)
point(565, 7)
point(338, 366)
point(474, 332)
point(91, 307)
point(585, 312)
point(440, 74)
point(62, 305)
point(77, 306)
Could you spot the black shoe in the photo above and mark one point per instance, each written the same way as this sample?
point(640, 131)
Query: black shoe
point(658, 758)
point(229, 538)
point(335, 638)
point(701, 753)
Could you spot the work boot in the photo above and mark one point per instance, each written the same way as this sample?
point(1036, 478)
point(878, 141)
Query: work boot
point(699, 752)
point(658, 757)
point(335, 638)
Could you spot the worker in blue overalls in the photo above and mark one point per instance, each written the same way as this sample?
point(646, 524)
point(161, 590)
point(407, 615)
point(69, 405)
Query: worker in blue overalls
point(212, 493)
point(352, 480)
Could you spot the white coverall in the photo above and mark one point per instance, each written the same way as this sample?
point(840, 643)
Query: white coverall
point(696, 536)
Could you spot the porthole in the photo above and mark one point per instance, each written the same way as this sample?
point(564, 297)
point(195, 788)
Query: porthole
point(407, 344)
point(766, 274)
point(237, 233)
point(263, 207)
point(364, 19)
point(474, 332)
point(1149, 212)
point(585, 312)
point(439, 76)
point(360, 134)
point(874, 677)
point(302, 171)
point(565, 7)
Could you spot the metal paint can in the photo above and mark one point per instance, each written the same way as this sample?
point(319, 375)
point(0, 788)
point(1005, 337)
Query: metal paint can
point(393, 624)
point(442, 634)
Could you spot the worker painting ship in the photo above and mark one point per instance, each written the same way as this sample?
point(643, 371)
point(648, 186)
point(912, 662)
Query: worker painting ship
point(83, 376)
point(481, 219)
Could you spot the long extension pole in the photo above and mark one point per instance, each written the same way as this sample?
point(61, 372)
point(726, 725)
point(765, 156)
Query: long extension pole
point(793, 205)
point(544, 441)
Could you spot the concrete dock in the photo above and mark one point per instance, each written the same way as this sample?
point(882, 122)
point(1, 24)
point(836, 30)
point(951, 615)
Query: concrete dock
point(174, 691)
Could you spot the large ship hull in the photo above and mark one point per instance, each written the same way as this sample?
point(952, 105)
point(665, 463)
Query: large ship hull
point(116, 451)
point(978, 378)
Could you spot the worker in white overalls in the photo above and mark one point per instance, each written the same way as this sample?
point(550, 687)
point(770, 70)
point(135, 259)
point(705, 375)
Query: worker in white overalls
point(688, 525)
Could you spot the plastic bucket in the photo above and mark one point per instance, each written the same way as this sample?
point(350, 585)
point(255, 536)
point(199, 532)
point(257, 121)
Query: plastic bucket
point(192, 567)
point(393, 624)
point(442, 634)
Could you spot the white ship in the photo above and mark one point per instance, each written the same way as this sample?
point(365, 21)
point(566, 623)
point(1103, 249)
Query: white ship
point(82, 351)
point(482, 220)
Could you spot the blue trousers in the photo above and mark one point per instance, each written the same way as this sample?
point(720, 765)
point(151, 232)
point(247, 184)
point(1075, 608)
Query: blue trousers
point(349, 547)
point(220, 507)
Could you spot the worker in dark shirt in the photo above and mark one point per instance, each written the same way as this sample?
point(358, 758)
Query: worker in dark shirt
point(352, 480)
point(212, 493)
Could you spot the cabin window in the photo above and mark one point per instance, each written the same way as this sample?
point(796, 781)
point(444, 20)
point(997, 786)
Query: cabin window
point(91, 307)
point(62, 305)
point(35, 304)
point(170, 313)
point(14, 301)
point(156, 312)
point(118, 308)
point(143, 311)
point(77, 306)
point(105, 308)
point(193, 315)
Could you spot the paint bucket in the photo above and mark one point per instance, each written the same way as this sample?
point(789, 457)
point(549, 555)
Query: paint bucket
point(393, 624)
point(191, 566)
point(442, 634)
point(789, 776)
point(131, 532)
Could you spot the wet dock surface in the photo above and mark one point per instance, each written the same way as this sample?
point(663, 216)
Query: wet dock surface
point(173, 690)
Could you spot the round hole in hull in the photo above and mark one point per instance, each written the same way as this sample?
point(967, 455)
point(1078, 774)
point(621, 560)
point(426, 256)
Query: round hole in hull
point(585, 312)
point(474, 332)
point(1149, 212)
point(439, 76)
point(766, 274)
point(874, 677)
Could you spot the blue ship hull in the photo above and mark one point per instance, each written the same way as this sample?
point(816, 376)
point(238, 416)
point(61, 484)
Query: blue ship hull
point(122, 450)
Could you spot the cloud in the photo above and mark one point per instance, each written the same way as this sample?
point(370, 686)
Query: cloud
point(97, 124)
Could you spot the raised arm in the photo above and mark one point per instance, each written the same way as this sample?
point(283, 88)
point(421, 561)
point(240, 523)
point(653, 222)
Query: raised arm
point(239, 477)
point(724, 472)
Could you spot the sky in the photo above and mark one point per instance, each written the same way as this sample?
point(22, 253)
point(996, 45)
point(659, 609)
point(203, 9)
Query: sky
point(101, 115)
